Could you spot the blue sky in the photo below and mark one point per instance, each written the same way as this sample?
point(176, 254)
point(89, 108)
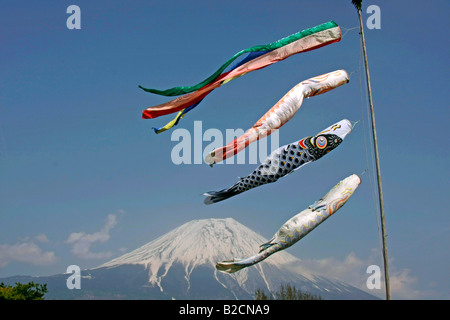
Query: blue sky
point(84, 178)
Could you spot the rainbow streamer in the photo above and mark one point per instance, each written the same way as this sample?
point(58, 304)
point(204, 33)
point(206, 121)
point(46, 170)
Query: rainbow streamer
point(257, 57)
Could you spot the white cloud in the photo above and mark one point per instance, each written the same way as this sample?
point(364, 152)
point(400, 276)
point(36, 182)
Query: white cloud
point(81, 242)
point(123, 249)
point(402, 285)
point(41, 238)
point(25, 251)
point(353, 270)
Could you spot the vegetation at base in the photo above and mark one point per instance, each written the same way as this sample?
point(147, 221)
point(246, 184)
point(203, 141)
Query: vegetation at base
point(29, 291)
point(286, 292)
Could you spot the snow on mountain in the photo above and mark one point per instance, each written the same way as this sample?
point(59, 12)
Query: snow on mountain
point(200, 244)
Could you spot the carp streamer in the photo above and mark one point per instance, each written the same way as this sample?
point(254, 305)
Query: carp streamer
point(280, 113)
point(300, 225)
point(286, 160)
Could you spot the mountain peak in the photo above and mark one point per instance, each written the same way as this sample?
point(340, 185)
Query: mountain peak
point(198, 242)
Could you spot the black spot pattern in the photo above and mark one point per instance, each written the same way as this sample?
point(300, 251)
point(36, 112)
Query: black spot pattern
point(284, 160)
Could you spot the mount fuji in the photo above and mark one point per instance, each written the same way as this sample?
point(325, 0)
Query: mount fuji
point(181, 265)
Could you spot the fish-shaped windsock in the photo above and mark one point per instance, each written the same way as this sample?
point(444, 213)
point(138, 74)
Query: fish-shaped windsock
point(280, 113)
point(300, 225)
point(287, 159)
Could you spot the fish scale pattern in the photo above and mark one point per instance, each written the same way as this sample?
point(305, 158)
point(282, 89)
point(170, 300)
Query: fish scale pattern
point(285, 160)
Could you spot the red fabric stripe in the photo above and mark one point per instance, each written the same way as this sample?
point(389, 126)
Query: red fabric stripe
point(260, 62)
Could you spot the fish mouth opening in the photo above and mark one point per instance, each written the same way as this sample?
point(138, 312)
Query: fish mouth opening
point(341, 129)
point(353, 179)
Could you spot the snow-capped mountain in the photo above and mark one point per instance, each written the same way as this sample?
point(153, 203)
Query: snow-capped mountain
point(181, 265)
point(191, 251)
point(201, 244)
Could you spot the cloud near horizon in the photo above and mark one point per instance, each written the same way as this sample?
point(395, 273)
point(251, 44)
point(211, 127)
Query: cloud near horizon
point(82, 242)
point(26, 251)
point(353, 270)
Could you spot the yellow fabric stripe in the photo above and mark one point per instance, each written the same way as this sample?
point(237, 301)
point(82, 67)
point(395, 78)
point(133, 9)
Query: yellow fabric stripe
point(172, 123)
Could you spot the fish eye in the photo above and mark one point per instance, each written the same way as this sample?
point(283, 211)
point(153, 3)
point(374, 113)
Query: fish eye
point(321, 142)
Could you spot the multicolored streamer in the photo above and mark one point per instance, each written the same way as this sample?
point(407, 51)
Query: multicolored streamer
point(258, 57)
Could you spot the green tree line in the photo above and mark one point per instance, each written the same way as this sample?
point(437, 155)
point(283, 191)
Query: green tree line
point(286, 292)
point(28, 291)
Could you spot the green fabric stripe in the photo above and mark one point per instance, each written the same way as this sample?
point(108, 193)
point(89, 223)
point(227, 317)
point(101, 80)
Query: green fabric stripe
point(268, 47)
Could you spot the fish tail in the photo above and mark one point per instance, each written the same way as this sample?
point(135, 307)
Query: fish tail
point(232, 148)
point(217, 196)
point(215, 156)
point(230, 266)
point(266, 245)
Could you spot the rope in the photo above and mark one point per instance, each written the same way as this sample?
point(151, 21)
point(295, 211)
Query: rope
point(351, 73)
point(346, 30)
point(370, 175)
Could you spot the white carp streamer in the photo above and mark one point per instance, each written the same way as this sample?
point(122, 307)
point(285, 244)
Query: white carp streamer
point(300, 225)
point(280, 113)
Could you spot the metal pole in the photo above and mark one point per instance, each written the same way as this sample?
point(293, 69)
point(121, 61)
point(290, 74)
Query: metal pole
point(377, 162)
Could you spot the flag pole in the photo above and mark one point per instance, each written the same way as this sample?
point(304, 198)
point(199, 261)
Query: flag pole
point(357, 4)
